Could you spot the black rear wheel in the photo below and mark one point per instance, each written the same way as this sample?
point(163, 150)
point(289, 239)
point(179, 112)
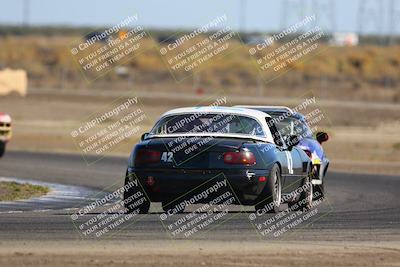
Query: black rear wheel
point(270, 198)
point(135, 199)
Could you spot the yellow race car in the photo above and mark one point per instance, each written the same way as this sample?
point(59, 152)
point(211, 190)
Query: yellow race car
point(5, 131)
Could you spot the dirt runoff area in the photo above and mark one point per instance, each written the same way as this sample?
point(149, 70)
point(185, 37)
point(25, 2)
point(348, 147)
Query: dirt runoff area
point(197, 253)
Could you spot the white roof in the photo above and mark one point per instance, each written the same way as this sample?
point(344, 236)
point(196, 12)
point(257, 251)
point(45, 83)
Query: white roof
point(219, 109)
point(267, 107)
point(252, 113)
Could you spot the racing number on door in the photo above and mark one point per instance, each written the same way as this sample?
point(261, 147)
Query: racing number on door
point(289, 162)
point(167, 156)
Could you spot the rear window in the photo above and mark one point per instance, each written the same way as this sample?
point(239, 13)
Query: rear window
point(208, 123)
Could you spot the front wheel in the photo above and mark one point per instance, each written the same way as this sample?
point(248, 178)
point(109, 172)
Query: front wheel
point(2, 148)
point(305, 200)
point(319, 191)
point(270, 198)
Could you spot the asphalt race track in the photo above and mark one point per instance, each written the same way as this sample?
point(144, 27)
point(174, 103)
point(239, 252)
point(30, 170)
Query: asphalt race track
point(358, 207)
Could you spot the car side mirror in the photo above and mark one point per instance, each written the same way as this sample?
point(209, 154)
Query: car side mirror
point(322, 137)
point(292, 141)
point(144, 136)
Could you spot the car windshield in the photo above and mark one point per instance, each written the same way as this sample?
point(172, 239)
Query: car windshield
point(208, 123)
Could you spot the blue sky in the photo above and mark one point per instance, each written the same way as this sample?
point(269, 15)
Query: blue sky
point(261, 15)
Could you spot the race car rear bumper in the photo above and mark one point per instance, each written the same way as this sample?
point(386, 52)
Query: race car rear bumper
point(170, 184)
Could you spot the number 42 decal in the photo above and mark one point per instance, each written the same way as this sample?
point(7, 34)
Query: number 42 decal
point(167, 156)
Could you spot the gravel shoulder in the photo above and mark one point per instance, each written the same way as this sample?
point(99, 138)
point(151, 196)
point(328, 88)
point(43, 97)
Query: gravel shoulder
point(201, 253)
point(10, 191)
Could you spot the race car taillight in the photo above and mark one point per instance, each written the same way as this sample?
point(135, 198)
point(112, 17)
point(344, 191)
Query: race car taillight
point(150, 181)
point(242, 157)
point(147, 156)
point(262, 179)
point(308, 152)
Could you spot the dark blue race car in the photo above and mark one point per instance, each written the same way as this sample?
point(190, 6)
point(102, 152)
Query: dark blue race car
point(193, 155)
point(288, 123)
